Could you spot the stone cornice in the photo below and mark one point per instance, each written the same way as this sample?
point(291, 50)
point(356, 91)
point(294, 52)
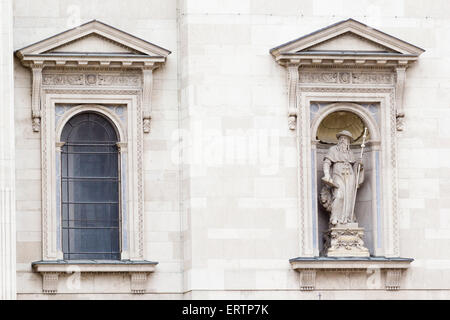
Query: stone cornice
point(344, 59)
point(92, 60)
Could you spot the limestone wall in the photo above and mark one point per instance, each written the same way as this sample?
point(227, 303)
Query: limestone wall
point(7, 206)
point(222, 213)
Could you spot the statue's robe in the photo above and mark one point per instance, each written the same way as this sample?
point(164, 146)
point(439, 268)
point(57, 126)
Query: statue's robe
point(343, 171)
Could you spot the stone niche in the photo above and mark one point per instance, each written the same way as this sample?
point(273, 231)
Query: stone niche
point(93, 68)
point(348, 76)
point(338, 117)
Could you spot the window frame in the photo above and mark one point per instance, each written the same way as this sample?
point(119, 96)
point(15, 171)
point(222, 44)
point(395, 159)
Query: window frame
point(130, 136)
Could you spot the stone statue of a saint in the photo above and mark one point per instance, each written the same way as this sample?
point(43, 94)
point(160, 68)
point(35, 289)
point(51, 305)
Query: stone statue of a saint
point(340, 170)
point(343, 175)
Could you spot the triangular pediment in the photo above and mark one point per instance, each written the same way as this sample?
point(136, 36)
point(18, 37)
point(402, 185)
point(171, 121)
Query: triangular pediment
point(93, 39)
point(348, 37)
point(93, 43)
point(349, 41)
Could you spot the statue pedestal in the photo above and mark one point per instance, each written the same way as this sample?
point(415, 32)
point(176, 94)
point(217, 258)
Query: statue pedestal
point(346, 241)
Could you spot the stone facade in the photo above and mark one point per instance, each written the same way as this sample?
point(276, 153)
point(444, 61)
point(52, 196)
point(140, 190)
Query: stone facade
point(223, 179)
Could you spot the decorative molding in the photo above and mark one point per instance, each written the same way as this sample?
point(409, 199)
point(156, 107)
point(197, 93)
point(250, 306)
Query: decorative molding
point(347, 90)
point(394, 175)
point(140, 178)
point(47, 239)
point(319, 77)
point(91, 79)
point(372, 78)
point(346, 77)
point(87, 91)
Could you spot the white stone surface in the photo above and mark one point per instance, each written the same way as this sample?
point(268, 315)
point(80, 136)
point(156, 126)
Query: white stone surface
point(224, 226)
point(7, 186)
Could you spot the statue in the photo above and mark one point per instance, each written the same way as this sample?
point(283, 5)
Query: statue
point(340, 174)
point(343, 175)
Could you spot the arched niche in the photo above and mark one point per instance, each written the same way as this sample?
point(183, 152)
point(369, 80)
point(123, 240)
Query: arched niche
point(327, 120)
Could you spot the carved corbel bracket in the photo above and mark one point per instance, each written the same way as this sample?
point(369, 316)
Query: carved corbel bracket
point(399, 94)
point(138, 281)
point(393, 278)
point(50, 282)
point(36, 67)
point(293, 78)
point(147, 90)
point(307, 280)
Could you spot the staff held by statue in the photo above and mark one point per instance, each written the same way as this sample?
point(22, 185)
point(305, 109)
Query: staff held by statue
point(358, 171)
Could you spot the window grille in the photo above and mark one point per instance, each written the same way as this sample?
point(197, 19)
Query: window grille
point(90, 187)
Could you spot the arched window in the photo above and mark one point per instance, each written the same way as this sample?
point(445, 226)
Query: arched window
point(90, 189)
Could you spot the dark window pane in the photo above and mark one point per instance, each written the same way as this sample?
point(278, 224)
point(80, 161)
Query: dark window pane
point(93, 240)
point(90, 215)
point(89, 164)
point(90, 189)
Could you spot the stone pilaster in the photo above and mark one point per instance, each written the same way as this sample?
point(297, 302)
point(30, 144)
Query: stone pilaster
point(7, 191)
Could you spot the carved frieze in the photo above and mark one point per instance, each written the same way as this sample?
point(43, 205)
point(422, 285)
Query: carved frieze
point(372, 78)
point(91, 79)
point(319, 77)
point(381, 78)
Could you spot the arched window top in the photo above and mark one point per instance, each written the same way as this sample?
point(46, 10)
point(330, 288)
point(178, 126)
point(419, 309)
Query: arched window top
point(89, 127)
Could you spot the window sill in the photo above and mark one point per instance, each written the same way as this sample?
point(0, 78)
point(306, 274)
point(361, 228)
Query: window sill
point(309, 266)
point(50, 270)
